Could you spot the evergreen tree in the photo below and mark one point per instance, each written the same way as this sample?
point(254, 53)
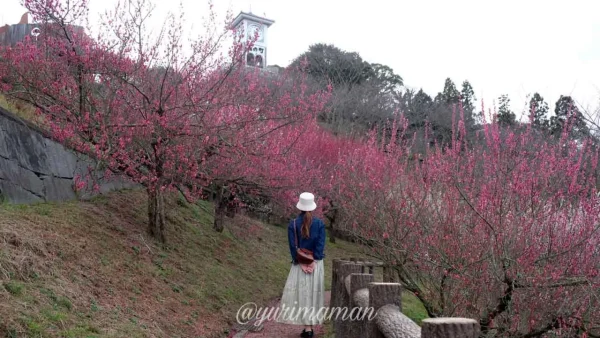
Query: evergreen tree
point(566, 111)
point(385, 78)
point(467, 95)
point(422, 102)
point(450, 94)
point(538, 111)
point(326, 62)
point(505, 116)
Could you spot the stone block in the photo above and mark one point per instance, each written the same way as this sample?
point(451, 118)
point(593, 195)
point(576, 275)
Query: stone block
point(61, 161)
point(21, 177)
point(58, 189)
point(15, 194)
point(34, 168)
point(25, 145)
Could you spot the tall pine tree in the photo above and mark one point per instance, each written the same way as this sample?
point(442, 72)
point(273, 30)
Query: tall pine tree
point(566, 111)
point(467, 95)
point(450, 94)
point(538, 112)
point(505, 116)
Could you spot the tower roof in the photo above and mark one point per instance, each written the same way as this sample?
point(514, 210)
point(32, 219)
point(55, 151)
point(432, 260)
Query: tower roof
point(252, 17)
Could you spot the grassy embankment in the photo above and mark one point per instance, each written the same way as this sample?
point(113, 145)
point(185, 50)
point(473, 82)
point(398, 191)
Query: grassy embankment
point(88, 269)
point(20, 109)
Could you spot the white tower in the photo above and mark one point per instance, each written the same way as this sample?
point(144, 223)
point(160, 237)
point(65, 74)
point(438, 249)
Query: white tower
point(251, 24)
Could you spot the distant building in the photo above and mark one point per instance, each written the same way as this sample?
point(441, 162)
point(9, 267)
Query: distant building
point(251, 24)
point(10, 35)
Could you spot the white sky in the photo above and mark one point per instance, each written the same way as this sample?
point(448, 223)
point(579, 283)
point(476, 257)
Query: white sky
point(511, 46)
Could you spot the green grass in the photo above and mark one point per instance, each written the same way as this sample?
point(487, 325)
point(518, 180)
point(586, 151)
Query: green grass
point(21, 109)
point(14, 288)
point(413, 308)
point(89, 269)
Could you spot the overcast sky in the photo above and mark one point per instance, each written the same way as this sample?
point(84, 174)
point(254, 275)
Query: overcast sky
point(511, 46)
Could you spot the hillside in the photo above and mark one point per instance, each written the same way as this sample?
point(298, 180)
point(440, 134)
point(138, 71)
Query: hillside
point(87, 269)
point(22, 110)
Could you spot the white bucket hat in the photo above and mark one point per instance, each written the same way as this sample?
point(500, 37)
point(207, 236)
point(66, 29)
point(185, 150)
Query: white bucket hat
point(306, 202)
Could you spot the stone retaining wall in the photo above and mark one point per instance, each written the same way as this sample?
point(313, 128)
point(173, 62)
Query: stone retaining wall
point(34, 168)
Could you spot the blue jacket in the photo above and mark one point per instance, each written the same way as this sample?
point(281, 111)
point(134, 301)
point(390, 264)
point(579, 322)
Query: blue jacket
point(316, 241)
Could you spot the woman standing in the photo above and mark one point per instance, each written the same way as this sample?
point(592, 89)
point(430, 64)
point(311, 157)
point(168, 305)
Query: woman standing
point(304, 292)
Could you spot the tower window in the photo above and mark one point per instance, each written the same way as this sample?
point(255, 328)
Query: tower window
point(250, 59)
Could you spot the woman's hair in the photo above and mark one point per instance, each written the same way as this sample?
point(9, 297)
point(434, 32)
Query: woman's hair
point(306, 224)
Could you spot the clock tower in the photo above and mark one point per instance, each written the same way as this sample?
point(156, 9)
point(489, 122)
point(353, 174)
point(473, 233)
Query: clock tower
point(253, 25)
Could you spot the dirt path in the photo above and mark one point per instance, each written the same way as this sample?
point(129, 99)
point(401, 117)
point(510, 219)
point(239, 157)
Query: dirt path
point(273, 329)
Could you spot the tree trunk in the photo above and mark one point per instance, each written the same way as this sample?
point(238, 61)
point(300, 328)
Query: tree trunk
point(331, 233)
point(231, 207)
point(331, 216)
point(220, 211)
point(156, 214)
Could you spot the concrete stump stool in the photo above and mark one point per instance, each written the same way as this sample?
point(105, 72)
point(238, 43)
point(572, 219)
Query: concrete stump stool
point(450, 328)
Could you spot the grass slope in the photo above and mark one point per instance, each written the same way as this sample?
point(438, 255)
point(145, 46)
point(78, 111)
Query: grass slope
point(22, 110)
point(88, 269)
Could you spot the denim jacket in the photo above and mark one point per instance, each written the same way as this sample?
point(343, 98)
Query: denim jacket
point(316, 241)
